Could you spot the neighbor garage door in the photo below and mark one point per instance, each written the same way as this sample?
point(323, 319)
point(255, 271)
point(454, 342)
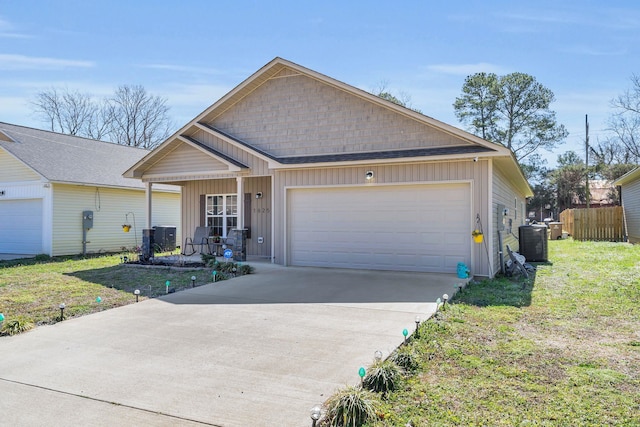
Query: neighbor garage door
point(21, 226)
point(408, 227)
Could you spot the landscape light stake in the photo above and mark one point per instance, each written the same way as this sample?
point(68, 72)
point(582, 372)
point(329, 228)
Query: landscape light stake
point(61, 306)
point(445, 298)
point(377, 355)
point(316, 411)
point(215, 275)
point(417, 324)
point(137, 294)
point(167, 284)
point(405, 332)
point(1, 318)
point(362, 372)
point(193, 281)
point(438, 304)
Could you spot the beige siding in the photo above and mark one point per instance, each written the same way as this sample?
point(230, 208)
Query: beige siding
point(260, 208)
point(12, 170)
point(257, 165)
point(505, 194)
point(298, 115)
point(109, 207)
point(185, 159)
point(631, 206)
point(463, 171)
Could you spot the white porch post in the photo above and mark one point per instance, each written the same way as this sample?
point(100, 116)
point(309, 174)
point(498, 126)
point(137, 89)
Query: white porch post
point(240, 201)
point(148, 205)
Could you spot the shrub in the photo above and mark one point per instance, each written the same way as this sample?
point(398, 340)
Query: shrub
point(383, 376)
point(351, 407)
point(406, 358)
point(17, 326)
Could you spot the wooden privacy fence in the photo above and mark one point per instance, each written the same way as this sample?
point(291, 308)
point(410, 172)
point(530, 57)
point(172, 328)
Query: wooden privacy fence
point(594, 224)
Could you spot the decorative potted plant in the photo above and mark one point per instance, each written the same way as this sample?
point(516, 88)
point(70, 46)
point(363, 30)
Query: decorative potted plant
point(478, 236)
point(126, 227)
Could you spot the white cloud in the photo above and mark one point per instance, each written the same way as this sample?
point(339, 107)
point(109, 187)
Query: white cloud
point(466, 69)
point(7, 31)
point(23, 62)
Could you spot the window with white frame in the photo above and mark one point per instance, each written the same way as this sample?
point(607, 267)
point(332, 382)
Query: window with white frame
point(222, 213)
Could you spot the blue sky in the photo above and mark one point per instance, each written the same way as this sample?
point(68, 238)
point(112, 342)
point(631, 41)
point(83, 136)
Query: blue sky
point(193, 52)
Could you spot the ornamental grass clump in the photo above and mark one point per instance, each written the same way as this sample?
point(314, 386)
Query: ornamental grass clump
point(16, 326)
point(383, 376)
point(351, 407)
point(406, 358)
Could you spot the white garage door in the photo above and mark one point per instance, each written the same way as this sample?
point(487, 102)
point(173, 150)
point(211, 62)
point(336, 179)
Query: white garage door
point(21, 226)
point(412, 228)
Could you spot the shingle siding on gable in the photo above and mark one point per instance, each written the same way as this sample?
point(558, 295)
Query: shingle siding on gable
point(299, 116)
point(11, 170)
point(631, 206)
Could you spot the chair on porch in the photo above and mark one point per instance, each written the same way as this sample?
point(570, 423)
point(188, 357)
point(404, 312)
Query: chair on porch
point(200, 239)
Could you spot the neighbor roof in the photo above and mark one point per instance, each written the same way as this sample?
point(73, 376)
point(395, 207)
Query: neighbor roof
point(628, 177)
point(70, 159)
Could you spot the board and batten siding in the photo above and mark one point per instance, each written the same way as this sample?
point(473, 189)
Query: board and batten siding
point(435, 172)
point(12, 170)
point(296, 115)
point(260, 208)
point(505, 194)
point(109, 206)
point(631, 207)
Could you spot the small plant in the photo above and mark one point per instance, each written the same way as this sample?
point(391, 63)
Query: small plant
point(405, 358)
point(383, 376)
point(17, 326)
point(351, 407)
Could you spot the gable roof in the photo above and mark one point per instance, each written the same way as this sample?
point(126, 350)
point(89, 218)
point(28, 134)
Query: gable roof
point(70, 159)
point(470, 145)
point(628, 177)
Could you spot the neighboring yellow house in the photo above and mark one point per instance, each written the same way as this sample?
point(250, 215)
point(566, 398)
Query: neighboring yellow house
point(48, 181)
point(321, 173)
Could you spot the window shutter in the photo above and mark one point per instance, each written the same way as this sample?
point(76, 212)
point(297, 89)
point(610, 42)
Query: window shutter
point(203, 209)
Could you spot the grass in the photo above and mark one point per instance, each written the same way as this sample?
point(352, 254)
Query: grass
point(559, 350)
point(32, 290)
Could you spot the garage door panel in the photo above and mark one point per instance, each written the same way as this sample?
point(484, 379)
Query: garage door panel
point(412, 227)
point(21, 226)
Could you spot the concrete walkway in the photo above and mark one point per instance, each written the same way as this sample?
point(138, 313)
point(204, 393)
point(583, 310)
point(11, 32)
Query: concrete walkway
point(258, 350)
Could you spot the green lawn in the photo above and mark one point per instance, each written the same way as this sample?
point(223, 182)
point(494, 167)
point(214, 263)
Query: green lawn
point(560, 350)
point(32, 290)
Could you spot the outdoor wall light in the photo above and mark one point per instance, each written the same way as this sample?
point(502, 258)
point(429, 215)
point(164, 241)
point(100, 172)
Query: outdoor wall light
point(61, 306)
point(369, 175)
point(193, 281)
point(259, 195)
point(137, 294)
point(316, 411)
point(377, 355)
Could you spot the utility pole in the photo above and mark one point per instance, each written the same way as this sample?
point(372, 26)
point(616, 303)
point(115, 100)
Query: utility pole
point(586, 158)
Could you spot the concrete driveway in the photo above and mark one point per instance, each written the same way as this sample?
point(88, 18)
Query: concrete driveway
point(257, 350)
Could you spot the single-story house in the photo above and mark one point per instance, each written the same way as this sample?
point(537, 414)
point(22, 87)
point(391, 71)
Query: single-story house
point(53, 185)
point(629, 184)
point(321, 173)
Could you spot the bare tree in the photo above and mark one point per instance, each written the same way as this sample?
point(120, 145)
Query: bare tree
point(130, 117)
point(66, 112)
point(625, 121)
point(136, 118)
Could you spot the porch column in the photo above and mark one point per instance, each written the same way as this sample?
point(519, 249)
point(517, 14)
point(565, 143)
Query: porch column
point(240, 201)
point(147, 209)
